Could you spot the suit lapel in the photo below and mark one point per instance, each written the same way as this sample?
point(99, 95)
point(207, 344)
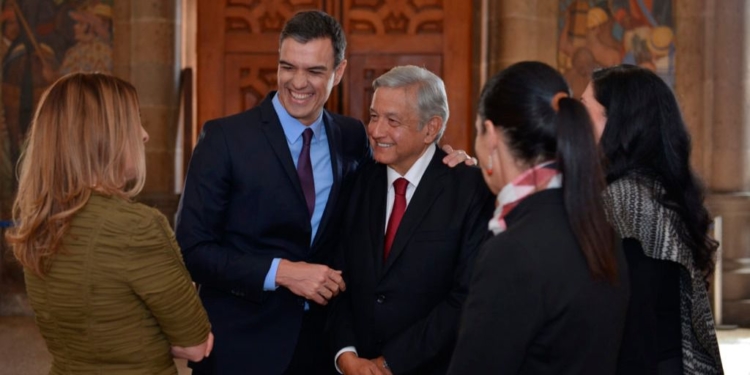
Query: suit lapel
point(333, 132)
point(275, 136)
point(429, 189)
point(377, 191)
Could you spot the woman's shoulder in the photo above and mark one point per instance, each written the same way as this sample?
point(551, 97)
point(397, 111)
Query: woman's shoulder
point(123, 215)
point(634, 187)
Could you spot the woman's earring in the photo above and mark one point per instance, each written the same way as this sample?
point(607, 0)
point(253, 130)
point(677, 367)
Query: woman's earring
point(489, 167)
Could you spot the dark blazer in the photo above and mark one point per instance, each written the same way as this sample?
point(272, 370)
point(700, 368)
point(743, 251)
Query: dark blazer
point(407, 308)
point(241, 207)
point(533, 307)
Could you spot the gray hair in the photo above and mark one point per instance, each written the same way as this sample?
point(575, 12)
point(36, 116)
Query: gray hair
point(431, 97)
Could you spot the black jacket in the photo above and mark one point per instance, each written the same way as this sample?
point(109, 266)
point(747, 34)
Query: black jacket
point(533, 307)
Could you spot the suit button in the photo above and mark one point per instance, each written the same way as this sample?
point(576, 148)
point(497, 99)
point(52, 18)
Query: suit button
point(380, 299)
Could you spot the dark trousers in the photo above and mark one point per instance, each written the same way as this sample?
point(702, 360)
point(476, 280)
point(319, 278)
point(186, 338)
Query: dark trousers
point(312, 355)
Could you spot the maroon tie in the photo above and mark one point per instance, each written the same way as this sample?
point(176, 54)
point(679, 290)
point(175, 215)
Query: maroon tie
point(399, 207)
point(305, 172)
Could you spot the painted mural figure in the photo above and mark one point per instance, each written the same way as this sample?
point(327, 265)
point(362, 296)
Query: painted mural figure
point(93, 50)
point(637, 32)
point(43, 40)
point(10, 32)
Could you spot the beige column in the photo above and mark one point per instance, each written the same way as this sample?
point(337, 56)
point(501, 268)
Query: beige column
point(520, 30)
point(713, 80)
point(146, 54)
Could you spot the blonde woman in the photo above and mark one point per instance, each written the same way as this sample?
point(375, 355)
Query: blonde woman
point(104, 274)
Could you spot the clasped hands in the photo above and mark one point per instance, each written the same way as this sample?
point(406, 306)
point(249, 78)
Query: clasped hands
point(350, 364)
point(314, 282)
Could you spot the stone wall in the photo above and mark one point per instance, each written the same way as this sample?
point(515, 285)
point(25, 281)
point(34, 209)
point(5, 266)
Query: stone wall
point(146, 54)
point(713, 79)
point(521, 30)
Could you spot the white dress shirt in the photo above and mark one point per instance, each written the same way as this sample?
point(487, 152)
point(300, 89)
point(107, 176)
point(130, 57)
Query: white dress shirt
point(413, 175)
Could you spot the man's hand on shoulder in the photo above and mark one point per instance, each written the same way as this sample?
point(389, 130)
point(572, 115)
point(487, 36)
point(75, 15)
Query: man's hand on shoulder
point(456, 157)
point(350, 364)
point(314, 282)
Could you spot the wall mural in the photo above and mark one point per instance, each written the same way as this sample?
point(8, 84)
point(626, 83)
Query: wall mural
point(600, 33)
point(42, 40)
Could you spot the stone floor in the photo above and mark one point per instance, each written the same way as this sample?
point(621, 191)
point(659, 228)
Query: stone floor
point(22, 350)
point(735, 351)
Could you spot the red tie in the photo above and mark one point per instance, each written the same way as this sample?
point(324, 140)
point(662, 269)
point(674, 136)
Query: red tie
point(399, 207)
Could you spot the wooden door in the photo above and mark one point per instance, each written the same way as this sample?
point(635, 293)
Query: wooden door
point(238, 44)
point(238, 52)
point(364, 68)
point(386, 33)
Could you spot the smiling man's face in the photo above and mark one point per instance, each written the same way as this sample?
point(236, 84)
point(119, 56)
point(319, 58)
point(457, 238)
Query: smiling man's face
point(394, 129)
point(306, 76)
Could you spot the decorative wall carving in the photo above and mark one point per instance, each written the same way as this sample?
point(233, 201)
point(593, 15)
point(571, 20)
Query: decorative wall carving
point(239, 44)
point(383, 17)
point(248, 78)
point(363, 69)
point(262, 16)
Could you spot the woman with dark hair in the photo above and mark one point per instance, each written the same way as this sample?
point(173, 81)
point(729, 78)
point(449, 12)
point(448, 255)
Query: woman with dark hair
point(549, 290)
point(669, 328)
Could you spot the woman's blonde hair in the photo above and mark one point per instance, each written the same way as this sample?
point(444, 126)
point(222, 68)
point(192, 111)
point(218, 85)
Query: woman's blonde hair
point(85, 135)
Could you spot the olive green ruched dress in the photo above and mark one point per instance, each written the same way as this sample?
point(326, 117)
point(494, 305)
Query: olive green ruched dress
point(118, 296)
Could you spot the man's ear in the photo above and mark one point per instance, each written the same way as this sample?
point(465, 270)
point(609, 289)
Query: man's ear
point(339, 72)
point(433, 126)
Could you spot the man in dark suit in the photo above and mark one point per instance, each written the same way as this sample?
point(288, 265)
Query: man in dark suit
point(260, 212)
point(260, 199)
point(412, 228)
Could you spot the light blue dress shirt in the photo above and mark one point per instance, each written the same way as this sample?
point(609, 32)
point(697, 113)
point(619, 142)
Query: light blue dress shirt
point(320, 157)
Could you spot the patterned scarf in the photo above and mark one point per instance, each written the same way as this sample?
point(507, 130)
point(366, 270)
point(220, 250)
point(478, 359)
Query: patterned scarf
point(634, 212)
point(542, 177)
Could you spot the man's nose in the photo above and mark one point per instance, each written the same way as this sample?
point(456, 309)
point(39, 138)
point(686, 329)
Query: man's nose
point(299, 80)
point(375, 128)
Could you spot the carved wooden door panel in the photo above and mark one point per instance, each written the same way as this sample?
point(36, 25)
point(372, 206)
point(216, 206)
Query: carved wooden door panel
point(364, 68)
point(238, 52)
point(386, 33)
point(238, 44)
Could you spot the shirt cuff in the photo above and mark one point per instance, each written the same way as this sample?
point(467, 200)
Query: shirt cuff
point(269, 284)
point(342, 351)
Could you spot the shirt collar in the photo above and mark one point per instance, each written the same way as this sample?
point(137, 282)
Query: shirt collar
point(292, 127)
point(415, 173)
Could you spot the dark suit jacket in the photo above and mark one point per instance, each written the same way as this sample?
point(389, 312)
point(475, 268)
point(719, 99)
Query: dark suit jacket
point(407, 308)
point(533, 307)
point(241, 207)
